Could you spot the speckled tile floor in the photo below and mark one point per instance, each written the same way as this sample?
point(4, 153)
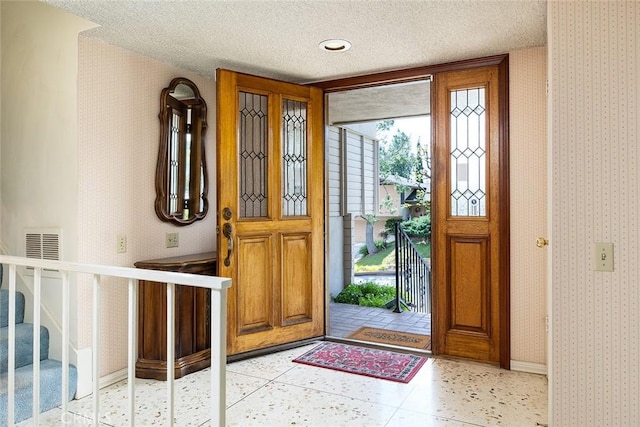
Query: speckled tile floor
point(273, 391)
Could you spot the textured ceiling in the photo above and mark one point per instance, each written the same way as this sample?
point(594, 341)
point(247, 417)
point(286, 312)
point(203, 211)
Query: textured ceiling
point(279, 39)
point(380, 103)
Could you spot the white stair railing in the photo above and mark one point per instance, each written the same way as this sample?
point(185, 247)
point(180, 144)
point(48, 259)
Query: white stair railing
point(218, 286)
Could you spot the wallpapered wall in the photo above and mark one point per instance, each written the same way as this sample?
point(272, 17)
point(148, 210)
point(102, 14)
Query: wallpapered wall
point(119, 131)
point(528, 163)
point(594, 69)
point(118, 106)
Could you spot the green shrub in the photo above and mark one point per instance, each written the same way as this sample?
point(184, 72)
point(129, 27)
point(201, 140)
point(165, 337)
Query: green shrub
point(370, 300)
point(390, 225)
point(368, 294)
point(349, 295)
point(418, 227)
point(380, 244)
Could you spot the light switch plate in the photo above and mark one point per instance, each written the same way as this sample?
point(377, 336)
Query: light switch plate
point(603, 256)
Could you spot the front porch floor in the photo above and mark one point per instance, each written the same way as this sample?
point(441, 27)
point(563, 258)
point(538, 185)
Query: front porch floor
point(346, 318)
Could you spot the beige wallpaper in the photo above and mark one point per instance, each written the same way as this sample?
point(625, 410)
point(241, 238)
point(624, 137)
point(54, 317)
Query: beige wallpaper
point(118, 141)
point(528, 171)
point(594, 68)
point(119, 101)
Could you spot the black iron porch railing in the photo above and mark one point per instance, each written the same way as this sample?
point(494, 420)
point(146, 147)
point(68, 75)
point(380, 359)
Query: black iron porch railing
point(413, 276)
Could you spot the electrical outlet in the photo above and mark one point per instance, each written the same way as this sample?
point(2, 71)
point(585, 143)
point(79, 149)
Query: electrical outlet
point(171, 240)
point(121, 244)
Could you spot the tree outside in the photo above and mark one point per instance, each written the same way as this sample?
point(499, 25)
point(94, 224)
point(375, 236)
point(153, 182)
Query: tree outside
point(396, 155)
point(401, 157)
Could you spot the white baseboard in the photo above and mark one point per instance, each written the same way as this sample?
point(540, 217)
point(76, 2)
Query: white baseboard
point(114, 377)
point(84, 363)
point(533, 368)
point(84, 366)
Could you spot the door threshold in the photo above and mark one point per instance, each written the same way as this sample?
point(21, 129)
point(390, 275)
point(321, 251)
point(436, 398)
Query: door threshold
point(380, 346)
point(274, 349)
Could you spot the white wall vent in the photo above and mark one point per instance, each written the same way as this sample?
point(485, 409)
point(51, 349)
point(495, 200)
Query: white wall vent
point(43, 243)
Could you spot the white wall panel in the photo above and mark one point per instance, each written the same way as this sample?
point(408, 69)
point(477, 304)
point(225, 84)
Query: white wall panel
point(334, 170)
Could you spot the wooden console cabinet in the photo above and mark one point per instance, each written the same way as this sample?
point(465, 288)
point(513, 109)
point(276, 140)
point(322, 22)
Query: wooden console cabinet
point(192, 320)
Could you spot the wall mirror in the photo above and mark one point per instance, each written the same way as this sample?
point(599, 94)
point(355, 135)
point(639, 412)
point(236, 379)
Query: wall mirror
point(181, 173)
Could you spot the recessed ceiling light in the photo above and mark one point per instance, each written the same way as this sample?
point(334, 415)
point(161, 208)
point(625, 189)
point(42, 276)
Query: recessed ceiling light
point(335, 45)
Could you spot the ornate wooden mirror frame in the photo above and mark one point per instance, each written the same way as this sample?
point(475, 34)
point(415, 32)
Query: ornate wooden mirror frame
point(181, 172)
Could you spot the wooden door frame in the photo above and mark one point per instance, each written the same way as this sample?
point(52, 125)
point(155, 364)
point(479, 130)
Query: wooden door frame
point(424, 72)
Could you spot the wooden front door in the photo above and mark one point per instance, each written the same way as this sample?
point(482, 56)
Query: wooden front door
point(471, 215)
point(270, 195)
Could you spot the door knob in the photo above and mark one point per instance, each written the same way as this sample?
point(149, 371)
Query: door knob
point(541, 242)
point(226, 213)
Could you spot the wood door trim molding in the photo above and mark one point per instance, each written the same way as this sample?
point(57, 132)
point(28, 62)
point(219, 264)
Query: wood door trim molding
point(505, 234)
point(406, 75)
point(423, 72)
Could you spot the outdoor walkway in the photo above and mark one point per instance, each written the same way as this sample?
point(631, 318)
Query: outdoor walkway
point(346, 318)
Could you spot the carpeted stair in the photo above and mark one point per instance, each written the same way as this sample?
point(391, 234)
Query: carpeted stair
point(50, 370)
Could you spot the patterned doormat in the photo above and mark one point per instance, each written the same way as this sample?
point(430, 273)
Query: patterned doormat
point(370, 362)
point(387, 336)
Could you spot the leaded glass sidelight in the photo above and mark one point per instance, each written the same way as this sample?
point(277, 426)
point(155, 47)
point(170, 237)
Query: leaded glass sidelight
point(294, 158)
point(252, 154)
point(468, 156)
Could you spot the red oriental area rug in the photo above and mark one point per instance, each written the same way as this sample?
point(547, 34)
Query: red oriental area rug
point(387, 365)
